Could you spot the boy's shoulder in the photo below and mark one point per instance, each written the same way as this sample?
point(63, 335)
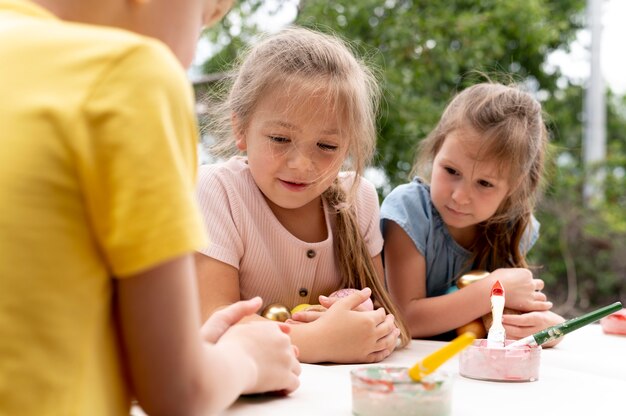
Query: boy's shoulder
point(113, 44)
point(84, 46)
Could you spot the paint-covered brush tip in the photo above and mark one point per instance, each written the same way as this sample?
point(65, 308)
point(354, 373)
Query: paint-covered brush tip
point(497, 289)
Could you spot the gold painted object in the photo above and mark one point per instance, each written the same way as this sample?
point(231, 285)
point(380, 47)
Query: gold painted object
point(476, 326)
point(470, 278)
point(276, 312)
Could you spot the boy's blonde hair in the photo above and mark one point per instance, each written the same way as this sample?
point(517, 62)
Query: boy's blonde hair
point(511, 132)
point(325, 64)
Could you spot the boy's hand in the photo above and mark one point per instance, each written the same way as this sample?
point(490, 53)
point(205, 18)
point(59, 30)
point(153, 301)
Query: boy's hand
point(219, 322)
point(274, 365)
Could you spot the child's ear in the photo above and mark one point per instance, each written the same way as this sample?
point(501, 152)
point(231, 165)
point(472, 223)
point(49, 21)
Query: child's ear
point(240, 137)
point(215, 11)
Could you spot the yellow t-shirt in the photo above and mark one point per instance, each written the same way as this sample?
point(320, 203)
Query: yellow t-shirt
point(97, 167)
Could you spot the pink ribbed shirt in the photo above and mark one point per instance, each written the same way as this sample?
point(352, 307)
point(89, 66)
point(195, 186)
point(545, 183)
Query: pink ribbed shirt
point(273, 263)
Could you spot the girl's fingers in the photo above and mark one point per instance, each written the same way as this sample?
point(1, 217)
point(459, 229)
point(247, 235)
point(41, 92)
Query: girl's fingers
point(382, 315)
point(306, 316)
point(544, 306)
point(385, 328)
point(327, 302)
point(351, 301)
point(514, 320)
point(389, 340)
point(380, 355)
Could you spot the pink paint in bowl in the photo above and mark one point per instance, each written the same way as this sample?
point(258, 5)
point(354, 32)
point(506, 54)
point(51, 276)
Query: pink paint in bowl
point(499, 364)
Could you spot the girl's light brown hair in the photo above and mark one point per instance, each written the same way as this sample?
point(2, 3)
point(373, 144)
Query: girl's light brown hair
point(316, 62)
point(511, 131)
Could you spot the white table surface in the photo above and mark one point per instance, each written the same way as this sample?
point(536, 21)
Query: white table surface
point(584, 375)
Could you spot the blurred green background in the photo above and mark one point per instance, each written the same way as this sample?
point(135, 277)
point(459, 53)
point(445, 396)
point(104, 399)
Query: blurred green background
point(424, 52)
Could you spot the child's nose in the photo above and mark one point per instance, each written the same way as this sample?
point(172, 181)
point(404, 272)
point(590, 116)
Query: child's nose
point(298, 159)
point(461, 194)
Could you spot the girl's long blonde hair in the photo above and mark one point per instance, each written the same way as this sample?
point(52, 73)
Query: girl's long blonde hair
point(316, 62)
point(511, 131)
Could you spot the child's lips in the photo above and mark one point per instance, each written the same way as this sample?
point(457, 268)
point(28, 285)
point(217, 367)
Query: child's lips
point(294, 185)
point(455, 212)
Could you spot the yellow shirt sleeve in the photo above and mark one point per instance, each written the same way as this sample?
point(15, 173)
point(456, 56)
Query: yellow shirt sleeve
point(139, 164)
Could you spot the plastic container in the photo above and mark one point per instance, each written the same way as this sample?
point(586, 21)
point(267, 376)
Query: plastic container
point(614, 323)
point(499, 364)
point(387, 391)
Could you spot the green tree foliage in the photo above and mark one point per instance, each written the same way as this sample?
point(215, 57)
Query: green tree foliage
point(583, 248)
point(424, 52)
point(429, 50)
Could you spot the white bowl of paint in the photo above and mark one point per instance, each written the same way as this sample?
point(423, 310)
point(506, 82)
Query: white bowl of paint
point(478, 361)
point(389, 391)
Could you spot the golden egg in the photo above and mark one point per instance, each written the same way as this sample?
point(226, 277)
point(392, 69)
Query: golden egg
point(276, 312)
point(299, 308)
point(471, 277)
point(476, 326)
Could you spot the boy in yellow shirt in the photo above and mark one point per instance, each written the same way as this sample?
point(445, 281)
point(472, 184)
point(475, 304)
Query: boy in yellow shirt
point(98, 140)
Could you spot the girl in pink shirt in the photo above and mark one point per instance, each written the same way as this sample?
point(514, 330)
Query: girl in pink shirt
point(285, 222)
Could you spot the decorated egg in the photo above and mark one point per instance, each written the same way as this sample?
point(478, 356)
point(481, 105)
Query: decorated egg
point(614, 323)
point(276, 312)
point(342, 293)
point(305, 307)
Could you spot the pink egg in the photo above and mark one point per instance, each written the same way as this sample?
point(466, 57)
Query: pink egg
point(342, 293)
point(614, 323)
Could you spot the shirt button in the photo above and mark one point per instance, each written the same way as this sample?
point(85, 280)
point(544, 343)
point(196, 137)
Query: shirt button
point(310, 254)
point(303, 292)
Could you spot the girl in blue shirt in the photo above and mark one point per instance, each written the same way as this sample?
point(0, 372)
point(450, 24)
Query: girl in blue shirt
point(484, 164)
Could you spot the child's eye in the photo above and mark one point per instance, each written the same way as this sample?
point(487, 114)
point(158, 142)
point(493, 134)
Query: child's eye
point(451, 171)
point(278, 139)
point(327, 147)
point(485, 184)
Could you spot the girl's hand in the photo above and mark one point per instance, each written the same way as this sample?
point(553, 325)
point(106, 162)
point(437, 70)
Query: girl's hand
point(356, 336)
point(327, 301)
point(521, 291)
point(520, 326)
point(309, 314)
point(313, 312)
